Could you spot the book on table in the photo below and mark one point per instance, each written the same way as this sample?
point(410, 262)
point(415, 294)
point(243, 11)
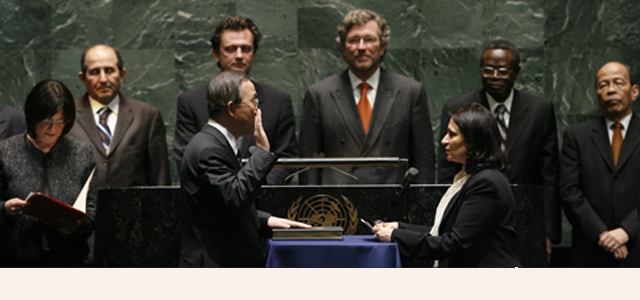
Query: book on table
point(315, 233)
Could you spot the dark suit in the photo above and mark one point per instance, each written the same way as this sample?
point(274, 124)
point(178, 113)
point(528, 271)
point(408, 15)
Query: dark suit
point(400, 127)
point(220, 223)
point(12, 122)
point(532, 149)
point(597, 195)
point(478, 227)
point(277, 119)
point(138, 151)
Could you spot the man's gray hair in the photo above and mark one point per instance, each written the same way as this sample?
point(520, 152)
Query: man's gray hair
point(223, 88)
point(361, 17)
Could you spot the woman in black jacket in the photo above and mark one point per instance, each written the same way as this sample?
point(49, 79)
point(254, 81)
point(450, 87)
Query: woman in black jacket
point(475, 220)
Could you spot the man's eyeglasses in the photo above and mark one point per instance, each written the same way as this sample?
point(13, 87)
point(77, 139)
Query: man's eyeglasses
point(253, 102)
point(355, 41)
point(490, 70)
point(49, 122)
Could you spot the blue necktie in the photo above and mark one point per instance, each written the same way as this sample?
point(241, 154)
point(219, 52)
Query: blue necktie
point(103, 128)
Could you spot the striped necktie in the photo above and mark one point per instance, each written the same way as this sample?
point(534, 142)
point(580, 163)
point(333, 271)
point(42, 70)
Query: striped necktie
point(502, 126)
point(103, 128)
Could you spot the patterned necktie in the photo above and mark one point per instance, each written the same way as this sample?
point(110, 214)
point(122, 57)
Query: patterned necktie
point(103, 128)
point(616, 142)
point(500, 110)
point(364, 107)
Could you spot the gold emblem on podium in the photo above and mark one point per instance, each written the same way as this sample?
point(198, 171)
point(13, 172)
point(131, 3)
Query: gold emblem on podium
point(325, 210)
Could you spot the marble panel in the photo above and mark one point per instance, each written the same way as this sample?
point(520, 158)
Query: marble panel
point(20, 70)
point(65, 66)
point(144, 24)
point(276, 20)
point(25, 25)
point(195, 23)
point(447, 73)
point(573, 23)
point(521, 22)
point(620, 23)
point(278, 67)
point(452, 24)
point(317, 26)
point(81, 23)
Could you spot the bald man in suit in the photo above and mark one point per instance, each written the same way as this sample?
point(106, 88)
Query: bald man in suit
point(600, 172)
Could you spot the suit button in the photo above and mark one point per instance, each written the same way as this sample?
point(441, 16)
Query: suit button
point(354, 169)
point(342, 141)
point(379, 170)
point(387, 142)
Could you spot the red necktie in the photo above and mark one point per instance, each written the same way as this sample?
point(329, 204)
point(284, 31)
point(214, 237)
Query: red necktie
point(364, 107)
point(616, 142)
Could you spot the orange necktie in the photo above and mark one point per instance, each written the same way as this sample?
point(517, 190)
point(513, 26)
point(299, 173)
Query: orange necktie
point(616, 142)
point(364, 107)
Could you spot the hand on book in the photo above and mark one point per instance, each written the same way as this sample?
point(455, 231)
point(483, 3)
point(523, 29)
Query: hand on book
point(15, 207)
point(275, 222)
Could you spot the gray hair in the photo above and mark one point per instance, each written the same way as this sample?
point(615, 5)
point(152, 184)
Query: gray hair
point(361, 17)
point(223, 88)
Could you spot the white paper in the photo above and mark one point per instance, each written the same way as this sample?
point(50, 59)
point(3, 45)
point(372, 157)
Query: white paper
point(81, 201)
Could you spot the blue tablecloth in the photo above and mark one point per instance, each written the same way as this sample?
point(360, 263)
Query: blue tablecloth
point(354, 251)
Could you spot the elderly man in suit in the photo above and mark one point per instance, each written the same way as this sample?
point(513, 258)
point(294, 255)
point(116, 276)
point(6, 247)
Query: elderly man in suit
point(235, 42)
point(128, 136)
point(600, 172)
point(366, 111)
point(12, 122)
point(221, 226)
point(527, 125)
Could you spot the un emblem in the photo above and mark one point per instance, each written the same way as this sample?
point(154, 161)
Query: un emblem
point(325, 210)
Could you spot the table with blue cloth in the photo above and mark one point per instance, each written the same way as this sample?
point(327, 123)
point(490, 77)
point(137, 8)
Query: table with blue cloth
point(353, 251)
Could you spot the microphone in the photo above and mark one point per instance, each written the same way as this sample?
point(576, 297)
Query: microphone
point(409, 178)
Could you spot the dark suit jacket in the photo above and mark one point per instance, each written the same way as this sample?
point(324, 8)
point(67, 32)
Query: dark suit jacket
point(400, 127)
point(532, 149)
point(478, 227)
point(277, 119)
point(597, 195)
point(12, 122)
point(220, 223)
point(138, 151)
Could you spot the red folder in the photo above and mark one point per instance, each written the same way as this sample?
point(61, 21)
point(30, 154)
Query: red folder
point(50, 210)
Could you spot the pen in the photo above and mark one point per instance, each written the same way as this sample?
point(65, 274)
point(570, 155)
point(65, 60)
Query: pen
point(366, 223)
point(377, 222)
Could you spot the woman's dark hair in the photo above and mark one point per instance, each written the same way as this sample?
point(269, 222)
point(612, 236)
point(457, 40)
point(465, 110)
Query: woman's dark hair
point(45, 100)
point(480, 130)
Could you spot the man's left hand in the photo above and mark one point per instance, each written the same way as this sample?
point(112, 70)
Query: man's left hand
point(612, 239)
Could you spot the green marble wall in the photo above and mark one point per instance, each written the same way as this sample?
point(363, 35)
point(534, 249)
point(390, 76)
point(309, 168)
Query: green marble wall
point(165, 45)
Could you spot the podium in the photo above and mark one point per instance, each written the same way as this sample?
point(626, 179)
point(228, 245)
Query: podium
point(139, 227)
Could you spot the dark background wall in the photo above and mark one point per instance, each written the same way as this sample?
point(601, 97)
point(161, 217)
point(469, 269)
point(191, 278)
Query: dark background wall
point(165, 45)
